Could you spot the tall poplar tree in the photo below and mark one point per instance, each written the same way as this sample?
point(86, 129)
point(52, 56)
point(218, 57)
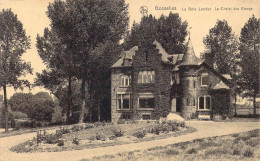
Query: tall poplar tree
point(13, 44)
point(250, 58)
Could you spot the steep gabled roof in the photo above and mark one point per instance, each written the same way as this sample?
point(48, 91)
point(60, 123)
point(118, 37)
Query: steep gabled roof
point(126, 55)
point(165, 55)
point(189, 57)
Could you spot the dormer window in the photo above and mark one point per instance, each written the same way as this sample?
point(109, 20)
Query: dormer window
point(204, 79)
point(126, 80)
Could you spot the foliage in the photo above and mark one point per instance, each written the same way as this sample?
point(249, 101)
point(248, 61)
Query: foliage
point(60, 142)
point(13, 44)
point(249, 49)
point(117, 132)
point(100, 136)
point(76, 128)
point(192, 151)
point(38, 107)
point(248, 153)
point(141, 133)
point(222, 48)
point(75, 140)
point(81, 31)
point(170, 31)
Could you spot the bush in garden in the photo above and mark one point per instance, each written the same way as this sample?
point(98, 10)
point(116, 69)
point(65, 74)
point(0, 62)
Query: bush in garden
point(249, 153)
point(88, 126)
point(100, 136)
point(52, 138)
point(75, 141)
point(122, 121)
point(183, 124)
point(117, 132)
point(140, 133)
point(157, 130)
point(60, 142)
point(112, 137)
point(76, 128)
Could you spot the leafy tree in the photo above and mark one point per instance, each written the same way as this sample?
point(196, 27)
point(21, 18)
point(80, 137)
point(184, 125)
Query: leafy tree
point(222, 48)
point(170, 31)
point(13, 44)
point(37, 107)
point(250, 57)
point(56, 52)
point(100, 79)
point(92, 23)
point(19, 102)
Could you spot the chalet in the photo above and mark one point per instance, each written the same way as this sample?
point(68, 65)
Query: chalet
point(150, 83)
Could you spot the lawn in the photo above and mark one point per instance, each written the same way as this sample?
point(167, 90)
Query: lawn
point(90, 136)
point(240, 146)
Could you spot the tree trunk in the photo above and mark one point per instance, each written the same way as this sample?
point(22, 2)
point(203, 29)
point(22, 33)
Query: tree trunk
point(6, 108)
point(235, 104)
point(69, 101)
point(98, 106)
point(83, 94)
point(254, 102)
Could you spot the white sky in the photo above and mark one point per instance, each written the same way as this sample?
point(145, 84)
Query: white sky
point(32, 13)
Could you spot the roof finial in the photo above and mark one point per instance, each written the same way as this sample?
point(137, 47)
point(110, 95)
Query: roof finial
point(189, 32)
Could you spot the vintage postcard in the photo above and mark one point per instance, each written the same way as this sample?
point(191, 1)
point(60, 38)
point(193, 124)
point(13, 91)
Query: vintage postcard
point(129, 80)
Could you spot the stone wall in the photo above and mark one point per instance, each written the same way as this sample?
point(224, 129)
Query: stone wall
point(116, 74)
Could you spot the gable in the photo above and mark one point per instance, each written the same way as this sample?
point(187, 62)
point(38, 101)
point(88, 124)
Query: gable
point(223, 78)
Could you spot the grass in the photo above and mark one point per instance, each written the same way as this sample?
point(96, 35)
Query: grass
point(103, 136)
point(214, 148)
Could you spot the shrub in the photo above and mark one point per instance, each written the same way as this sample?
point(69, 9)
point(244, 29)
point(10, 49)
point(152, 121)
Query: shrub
point(100, 136)
point(171, 152)
point(75, 140)
point(76, 128)
point(60, 142)
point(157, 130)
point(248, 153)
point(216, 152)
point(121, 121)
point(140, 133)
point(52, 139)
point(89, 126)
point(254, 133)
point(97, 124)
point(235, 135)
point(236, 151)
point(183, 124)
point(112, 137)
point(57, 118)
point(192, 151)
point(117, 132)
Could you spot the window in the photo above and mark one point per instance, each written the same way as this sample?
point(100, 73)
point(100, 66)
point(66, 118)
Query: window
point(194, 84)
point(204, 79)
point(146, 101)
point(146, 77)
point(146, 117)
point(204, 103)
point(125, 80)
point(175, 78)
point(123, 101)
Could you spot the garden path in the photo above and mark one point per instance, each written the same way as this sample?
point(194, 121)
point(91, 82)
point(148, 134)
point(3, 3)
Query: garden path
point(204, 129)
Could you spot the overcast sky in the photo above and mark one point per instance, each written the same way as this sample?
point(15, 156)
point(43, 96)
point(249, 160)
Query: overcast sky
point(201, 16)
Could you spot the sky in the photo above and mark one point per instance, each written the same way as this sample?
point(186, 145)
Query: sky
point(201, 16)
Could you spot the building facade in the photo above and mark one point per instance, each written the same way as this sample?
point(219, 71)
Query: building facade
point(150, 83)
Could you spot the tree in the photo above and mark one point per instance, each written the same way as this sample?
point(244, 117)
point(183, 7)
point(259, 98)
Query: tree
point(92, 23)
point(100, 79)
point(170, 31)
point(250, 57)
point(13, 44)
point(38, 107)
point(18, 102)
point(222, 48)
point(56, 50)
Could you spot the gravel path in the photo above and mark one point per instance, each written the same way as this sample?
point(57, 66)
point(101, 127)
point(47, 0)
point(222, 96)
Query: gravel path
point(204, 129)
